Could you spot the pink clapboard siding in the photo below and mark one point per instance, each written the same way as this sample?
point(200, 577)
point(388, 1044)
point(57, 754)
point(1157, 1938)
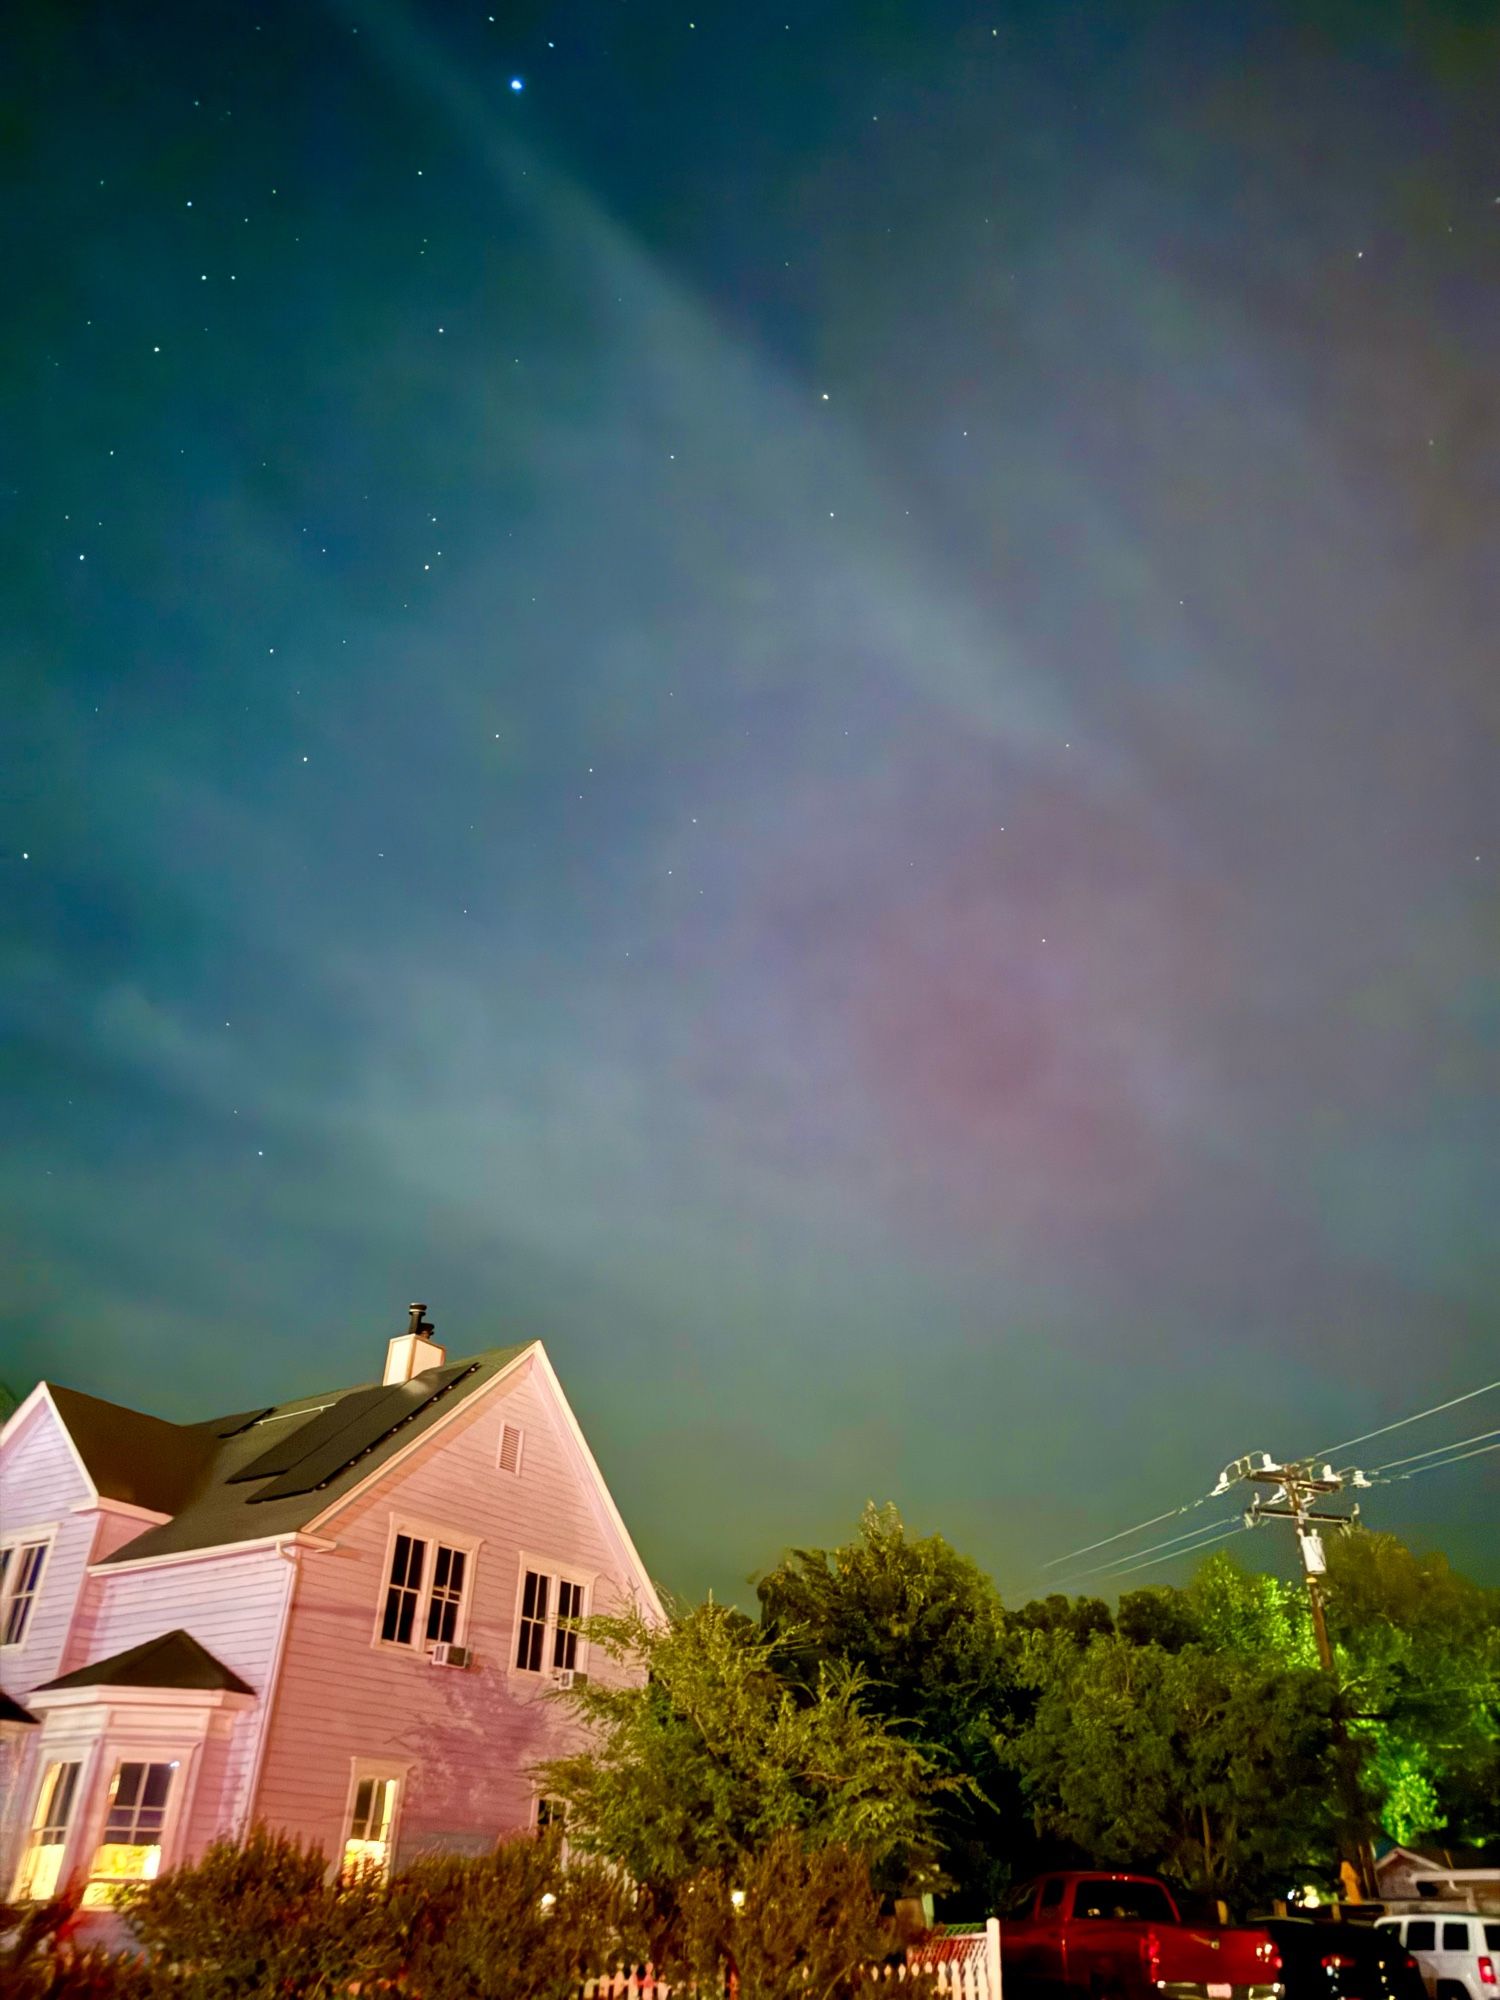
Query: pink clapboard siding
point(232, 1602)
point(466, 1737)
point(40, 1485)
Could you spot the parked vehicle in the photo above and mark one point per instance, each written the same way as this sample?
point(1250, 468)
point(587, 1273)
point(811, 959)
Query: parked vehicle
point(1459, 1955)
point(1122, 1937)
point(1329, 1961)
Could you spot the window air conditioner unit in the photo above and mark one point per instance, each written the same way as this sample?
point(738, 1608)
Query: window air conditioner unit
point(566, 1677)
point(446, 1654)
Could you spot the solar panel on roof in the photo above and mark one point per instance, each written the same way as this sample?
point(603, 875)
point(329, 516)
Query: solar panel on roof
point(232, 1426)
point(374, 1423)
point(295, 1440)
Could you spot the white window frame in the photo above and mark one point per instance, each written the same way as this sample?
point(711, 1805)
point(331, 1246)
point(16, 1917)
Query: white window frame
point(555, 1572)
point(380, 1770)
point(419, 1646)
point(114, 1751)
point(24, 1538)
point(38, 1822)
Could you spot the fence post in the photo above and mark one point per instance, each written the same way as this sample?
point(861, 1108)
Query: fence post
point(992, 1956)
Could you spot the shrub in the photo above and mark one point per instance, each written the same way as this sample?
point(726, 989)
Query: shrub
point(39, 1961)
point(788, 1923)
point(260, 1917)
point(511, 1925)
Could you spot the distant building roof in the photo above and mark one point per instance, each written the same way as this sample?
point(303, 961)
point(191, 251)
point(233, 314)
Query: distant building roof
point(175, 1660)
point(208, 1476)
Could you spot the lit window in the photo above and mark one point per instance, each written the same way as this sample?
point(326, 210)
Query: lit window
point(133, 1820)
point(41, 1864)
point(21, 1567)
point(367, 1850)
point(546, 1632)
point(424, 1593)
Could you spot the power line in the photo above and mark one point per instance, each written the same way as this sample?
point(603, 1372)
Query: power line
point(1140, 1527)
point(1234, 1528)
point(1171, 1542)
point(1448, 1461)
point(1401, 1422)
point(1434, 1451)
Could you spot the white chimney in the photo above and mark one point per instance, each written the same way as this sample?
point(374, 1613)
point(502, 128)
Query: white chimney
point(412, 1353)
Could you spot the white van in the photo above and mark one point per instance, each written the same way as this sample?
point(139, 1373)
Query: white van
point(1458, 1955)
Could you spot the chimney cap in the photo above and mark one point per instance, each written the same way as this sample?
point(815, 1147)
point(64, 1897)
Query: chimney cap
point(419, 1325)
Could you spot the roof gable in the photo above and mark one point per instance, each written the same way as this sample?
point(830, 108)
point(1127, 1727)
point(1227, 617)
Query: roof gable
point(245, 1487)
point(174, 1660)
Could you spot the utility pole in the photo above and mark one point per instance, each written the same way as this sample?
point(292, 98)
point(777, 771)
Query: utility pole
point(1294, 1488)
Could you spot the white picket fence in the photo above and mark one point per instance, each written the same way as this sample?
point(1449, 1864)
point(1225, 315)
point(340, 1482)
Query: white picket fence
point(951, 1965)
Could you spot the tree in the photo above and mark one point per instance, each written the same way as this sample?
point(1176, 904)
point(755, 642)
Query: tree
point(925, 1631)
point(715, 1753)
point(1417, 1648)
point(1215, 1769)
point(1159, 1616)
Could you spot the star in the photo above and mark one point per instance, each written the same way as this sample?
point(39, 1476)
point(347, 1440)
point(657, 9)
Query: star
point(517, 83)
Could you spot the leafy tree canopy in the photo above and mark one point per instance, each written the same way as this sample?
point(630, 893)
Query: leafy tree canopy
point(716, 1752)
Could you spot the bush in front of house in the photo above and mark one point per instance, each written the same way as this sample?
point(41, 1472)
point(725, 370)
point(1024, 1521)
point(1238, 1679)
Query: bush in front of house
point(261, 1916)
point(39, 1960)
point(787, 1922)
point(515, 1924)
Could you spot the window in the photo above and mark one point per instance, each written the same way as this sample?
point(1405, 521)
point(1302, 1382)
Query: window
point(1052, 1894)
point(447, 1594)
point(41, 1864)
point(533, 1628)
point(1492, 1937)
point(551, 1814)
point(510, 1448)
point(21, 1565)
point(1455, 1937)
point(546, 1634)
point(1123, 1902)
point(569, 1610)
point(135, 1813)
point(424, 1592)
point(372, 1818)
point(1421, 1935)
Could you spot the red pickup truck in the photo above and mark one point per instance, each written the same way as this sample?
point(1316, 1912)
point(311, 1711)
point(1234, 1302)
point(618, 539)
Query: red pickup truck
point(1122, 1937)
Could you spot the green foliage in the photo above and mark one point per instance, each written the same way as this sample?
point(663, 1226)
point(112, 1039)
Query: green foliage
point(1158, 1616)
point(40, 1961)
point(1418, 1653)
point(1212, 1768)
point(514, 1925)
point(924, 1630)
point(262, 1916)
point(807, 1924)
point(1077, 1618)
point(715, 1753)
point(1255, 1617)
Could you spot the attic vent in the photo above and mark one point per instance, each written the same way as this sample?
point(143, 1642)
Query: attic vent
point(510, 1448)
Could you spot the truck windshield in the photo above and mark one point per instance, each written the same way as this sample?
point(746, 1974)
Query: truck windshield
point(1123, 1902)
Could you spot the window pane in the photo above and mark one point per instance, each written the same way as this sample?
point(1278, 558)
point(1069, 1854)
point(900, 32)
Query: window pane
point(368, 1848)
point(408, 1561)
point(1455, 1937)
point(128, 1784)
point(533, 1622)
point(1421, 1935)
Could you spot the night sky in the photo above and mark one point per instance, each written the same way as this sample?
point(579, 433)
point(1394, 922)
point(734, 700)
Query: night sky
point(804, 697)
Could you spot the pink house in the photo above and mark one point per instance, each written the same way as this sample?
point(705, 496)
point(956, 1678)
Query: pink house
point(342, 1615)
